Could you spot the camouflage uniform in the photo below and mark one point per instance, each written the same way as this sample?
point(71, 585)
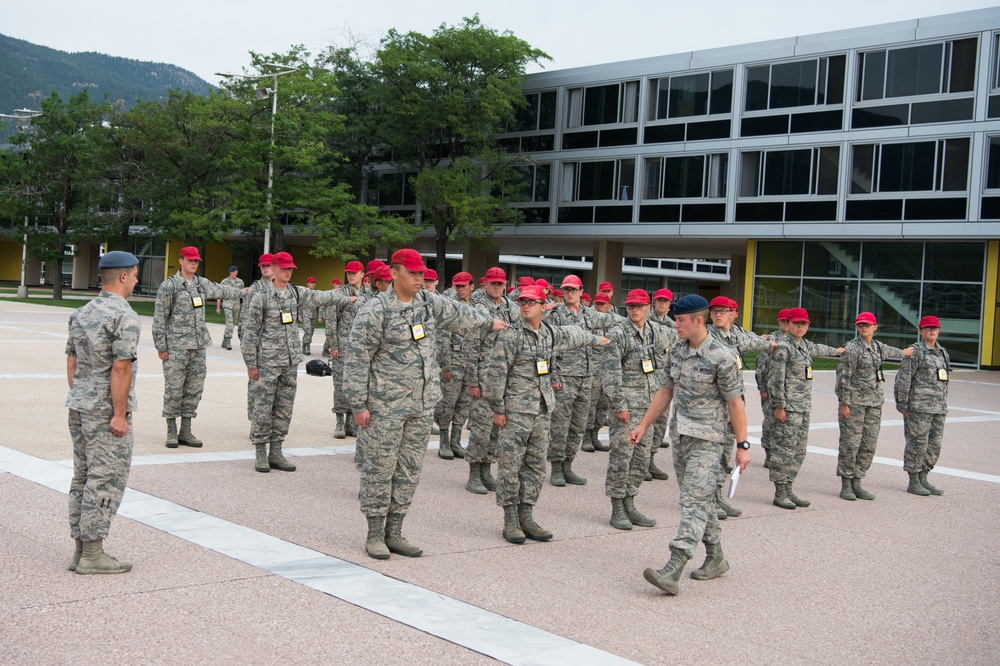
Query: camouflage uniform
point(179, 328)
point(767, 425)
point(922, 395)
point(458, 354)
point(232, 308)
point(575, 370)
point(255, 286)
point(308, 312)
point(271, 344)
point(600, 406)
point(631, 365)
point(789, 384)
point(101, 332)
point(660, 426)
point(339, 320)
point(859, 386)
point(514, 387)
point(483, 435)
point(702, 380)
point(397, 379)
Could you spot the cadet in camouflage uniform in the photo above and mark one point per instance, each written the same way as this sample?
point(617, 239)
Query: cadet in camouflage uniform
point(181, 338)
point(573, 381)
point(308, 312)
point(457, 354)
point(266, 278)
point(760, 376)
point(789, 386)
point(662, 300)
point(101, 367)
point(272, 352)
point(339, 320)
point(392, 381)
point(859, 391)
point(483, 433)
point(518, 388)
point(921, 393)
point(600, 406)
point(704, 376)
point(630, 367)
point(232, 308)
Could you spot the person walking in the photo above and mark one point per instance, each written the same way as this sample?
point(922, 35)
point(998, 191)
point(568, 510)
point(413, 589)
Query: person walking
point(232, 308)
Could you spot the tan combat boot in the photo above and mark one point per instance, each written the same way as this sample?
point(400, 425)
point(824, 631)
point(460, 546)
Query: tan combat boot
point(375, 543)
point(634, 516)
point(488, 480)
point(715, 563)
point(511, 527)
point(619, 519)
point(93, 560)
point(475, 483)
point(668, 578)
point(528, 525)
point(260, 460)
point(276, 460)
point(186, 437)
point(77, 553)
point(394, 539)
point(171, 433)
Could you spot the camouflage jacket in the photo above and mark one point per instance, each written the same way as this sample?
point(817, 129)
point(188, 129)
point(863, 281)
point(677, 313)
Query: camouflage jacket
point(512, 380)
point(664, 320)
point(101, 332)
point(235, 283)
point(858, 371)
point(457, 351)
point(386, 370)
point(789, 373)
point(309, 309)
point(339, 317)
point(702, 380)
point(920, 384)
point(740, 340)
point(507, 311)
point(633, 364)
point(579, 362)
point(764, 358)
point(270, 337)
point(179, 313)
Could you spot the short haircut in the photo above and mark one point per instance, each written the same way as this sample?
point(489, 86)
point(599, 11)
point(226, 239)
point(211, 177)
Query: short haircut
point(109, 275)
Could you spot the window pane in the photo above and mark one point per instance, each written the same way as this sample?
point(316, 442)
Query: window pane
point(750, 174)
point(722, 91)
point(896, 306)
point(793, 84)
point(542, 174)
point(390, 190)
point(688, 95)
point(963, 65)
point(835, 79)
point(757, 87)
point(597, 180)
point(907, 167)
point(652, 178)
point(787, 172)
point(872, 75)
point(771, 294)
point(409, 196)
point(829, 165)
point(993, 164)
point(914, 71)
point(626, 179)
point(600, 105)
point(832, 306)
point(956, 164)
point(832, 259)
point(779, 258)
point(892, 261)
point(662, 98)
point(547, 111)
point(955, 262)
point(683, 176)
point(527, 116)
point(862, 169)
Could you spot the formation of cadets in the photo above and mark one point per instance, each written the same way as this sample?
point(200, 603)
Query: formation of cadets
point(533, 373)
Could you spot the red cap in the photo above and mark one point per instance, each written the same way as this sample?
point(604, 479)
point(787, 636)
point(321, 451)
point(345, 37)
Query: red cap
point(605, 286)
point(637, 297)
point(572, 281)
point(460, 278)
point(353, 267)
point(865, 318)
point(531, 293)
point(265, 260)
point(664, 293)
point(721, 302)
point(525, 281)
point(798, 314)
point(557, 292)
point(190, 252)
point(734, 305)
point(510, 289)
point(929, 322)
point(283, 260)
point(496, 274)
point(337, 280)
point(544, 284)
point(373, 265)
point(430, 274)
point(585, 296)
point(482, 281)
point(385, 274)
point(601, 298)
point(408, 259)
point(310, 279)
point(783, 315)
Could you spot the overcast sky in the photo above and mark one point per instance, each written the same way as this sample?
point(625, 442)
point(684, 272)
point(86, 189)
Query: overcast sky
point(207, 36)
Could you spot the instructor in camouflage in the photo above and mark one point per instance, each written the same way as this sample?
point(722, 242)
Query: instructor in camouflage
point(232, 307)
point(339, 320)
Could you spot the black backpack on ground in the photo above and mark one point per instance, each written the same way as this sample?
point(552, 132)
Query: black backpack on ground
point(318, 368)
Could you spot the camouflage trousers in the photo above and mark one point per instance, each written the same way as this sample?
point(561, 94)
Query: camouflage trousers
point(659, 430)
point(569, 418)
point(521, 448)
point(924, 433)
point(456, 403)
point(788, 447)
point(858, 438)
point(767, 423)
point(101, 463)
point(232, 313)
point(391, 460)
point(483, 435)
point(308, 326)
point(272, 397)
point(627, 464)
point(340, 404)
point(183, 382)
point(726, 456)
point(600, 406)
point(328, 334)
point(696, 464)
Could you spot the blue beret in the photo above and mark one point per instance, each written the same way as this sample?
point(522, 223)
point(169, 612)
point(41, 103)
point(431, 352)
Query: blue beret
point(688, 304)
point(233, 268)
point(118, 259)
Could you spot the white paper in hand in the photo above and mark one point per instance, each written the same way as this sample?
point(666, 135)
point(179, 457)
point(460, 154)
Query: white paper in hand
point(734, 479)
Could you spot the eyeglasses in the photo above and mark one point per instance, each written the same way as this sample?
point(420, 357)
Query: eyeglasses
point(718, 312)
point(565, 289)
point(526, 303)
point(634, 306)
point(863, 325)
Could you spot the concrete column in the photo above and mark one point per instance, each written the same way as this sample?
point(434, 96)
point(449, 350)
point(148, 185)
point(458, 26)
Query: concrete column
point(476, 260)
point(608, 257)
point(81, 266)
point(33, 272)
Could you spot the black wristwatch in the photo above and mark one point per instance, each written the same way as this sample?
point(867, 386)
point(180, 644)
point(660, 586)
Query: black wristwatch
point(743, 445)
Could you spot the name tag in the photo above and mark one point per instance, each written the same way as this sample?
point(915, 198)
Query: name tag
point(286, 317)
point(809, 372)
point(879, 375)
point(542, 366)
point(739, 362)
point(417, 330)
point(647, 366)
point(942, 374)
point(197, 302)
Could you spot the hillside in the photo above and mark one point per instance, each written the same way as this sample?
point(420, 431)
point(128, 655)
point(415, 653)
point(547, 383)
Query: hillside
point(29, 73)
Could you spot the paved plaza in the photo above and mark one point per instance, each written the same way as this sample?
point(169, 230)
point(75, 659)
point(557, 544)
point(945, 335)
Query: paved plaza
point(232, 566)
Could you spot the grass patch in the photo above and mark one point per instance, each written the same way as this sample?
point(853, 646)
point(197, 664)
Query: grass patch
point(818, 363)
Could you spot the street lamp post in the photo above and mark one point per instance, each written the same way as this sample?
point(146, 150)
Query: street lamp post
point(285, 70)
point(23, 115)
